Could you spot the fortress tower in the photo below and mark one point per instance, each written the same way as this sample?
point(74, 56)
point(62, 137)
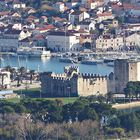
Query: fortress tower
point(125, 71)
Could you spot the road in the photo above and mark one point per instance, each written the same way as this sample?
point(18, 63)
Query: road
point(127, 105)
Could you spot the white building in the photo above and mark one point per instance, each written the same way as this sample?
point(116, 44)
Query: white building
point(61, 41)
point(87, 25)
point(105, 42)
point(9, 40)
point(5, 80)
point(78, 16)
point(133, 39)
point(59, 6)
point(71, 4)
point(24, 34)
point(17, 4)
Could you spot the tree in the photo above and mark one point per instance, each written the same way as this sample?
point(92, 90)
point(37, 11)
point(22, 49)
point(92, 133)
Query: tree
point(88, 114)
point(114, 122)
point(32, 72)
point(27, 130)
point(130, 121)
point(130, 90)
point(19, 108)
point(22, 72)
point(7, 109)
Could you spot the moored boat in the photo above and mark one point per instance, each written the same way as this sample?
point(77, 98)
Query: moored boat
point(35, 51)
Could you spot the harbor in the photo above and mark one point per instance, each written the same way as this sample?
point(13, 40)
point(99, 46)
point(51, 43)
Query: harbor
point(88, 62)
point(51, 64)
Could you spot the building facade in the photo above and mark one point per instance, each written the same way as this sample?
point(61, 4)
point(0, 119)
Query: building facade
point(5, 80)
point(125, 71)
point(106, 42)
point(63, 41)
point(72, 83)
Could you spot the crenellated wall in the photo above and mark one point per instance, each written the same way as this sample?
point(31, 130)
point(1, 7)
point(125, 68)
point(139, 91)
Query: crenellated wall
point(76, 84)
point(89, 84)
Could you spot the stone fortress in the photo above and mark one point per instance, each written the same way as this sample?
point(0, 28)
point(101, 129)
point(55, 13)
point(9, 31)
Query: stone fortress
point(73, 83)
point(125, 71)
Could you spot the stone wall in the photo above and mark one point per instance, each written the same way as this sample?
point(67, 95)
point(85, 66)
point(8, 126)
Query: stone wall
point(54, 85)
point(58, 85)
point(92, 85)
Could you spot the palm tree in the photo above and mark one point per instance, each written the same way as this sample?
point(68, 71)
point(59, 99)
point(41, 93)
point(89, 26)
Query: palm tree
point(13, 73)
point(32, 72)
point(22, 71)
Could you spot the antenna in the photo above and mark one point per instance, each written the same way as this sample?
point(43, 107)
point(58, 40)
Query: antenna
point(18, 62)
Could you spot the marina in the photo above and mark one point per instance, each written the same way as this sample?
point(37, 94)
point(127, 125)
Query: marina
point(52, 64)
point(99, 63)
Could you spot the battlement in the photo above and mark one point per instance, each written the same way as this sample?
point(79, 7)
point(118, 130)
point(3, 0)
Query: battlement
point(90, 75)
point(65, 77)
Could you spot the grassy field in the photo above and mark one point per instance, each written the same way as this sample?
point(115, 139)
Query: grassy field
point(64, 100)
point(35, 94)
point(13, 100)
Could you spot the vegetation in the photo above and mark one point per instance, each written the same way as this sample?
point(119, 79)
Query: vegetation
point(132, 90)
point(84, 118)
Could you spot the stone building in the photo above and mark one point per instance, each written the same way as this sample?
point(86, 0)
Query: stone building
point(73, 83)
point(125, 71)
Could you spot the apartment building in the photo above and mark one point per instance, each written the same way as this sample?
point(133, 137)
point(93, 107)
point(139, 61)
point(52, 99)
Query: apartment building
point(63, 41)
point(109, 42)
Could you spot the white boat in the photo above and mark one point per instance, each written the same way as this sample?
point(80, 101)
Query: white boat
point(33, 51)
point(68, 60)
point(39, 52)
point(89, 62)
point(99, 61)
point(65, 60)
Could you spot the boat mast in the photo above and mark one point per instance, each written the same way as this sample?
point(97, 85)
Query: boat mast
point(18, 62)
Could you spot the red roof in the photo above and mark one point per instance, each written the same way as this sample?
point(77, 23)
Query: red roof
point(47, 27)
point(104, 14)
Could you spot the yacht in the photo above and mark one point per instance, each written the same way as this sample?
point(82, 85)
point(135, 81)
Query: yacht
point(89, 62)
point(99, 61)
point(68, 60)
point(39, 52)
point(35, 51)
